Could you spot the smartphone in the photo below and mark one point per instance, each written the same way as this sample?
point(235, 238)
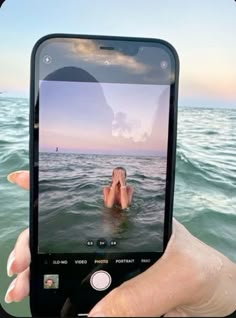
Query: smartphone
point(103, 120)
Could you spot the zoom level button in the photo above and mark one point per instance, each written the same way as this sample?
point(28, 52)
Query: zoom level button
point(102, 243)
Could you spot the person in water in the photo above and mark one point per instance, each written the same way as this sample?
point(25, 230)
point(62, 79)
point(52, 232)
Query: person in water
point(49, 284)
point(119, 193)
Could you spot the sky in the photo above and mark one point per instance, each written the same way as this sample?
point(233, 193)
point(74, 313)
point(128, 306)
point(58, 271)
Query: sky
point(203, 33)
point(106, 118)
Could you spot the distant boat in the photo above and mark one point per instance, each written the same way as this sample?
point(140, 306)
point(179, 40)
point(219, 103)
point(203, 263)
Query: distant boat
point(56, 149)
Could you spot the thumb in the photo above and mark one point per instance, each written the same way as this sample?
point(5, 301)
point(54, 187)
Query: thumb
point(153, 293)
point(21, 178)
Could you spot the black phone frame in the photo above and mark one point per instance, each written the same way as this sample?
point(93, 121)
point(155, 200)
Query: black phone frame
point(33, 145)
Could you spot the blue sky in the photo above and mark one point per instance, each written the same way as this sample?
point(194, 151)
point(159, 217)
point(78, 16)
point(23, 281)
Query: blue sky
point(203, 32)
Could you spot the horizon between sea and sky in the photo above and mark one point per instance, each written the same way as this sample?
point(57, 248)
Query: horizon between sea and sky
point(203, 33)
point(113, 123)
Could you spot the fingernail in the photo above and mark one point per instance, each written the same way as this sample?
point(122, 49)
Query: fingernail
point(10, 261)
point(8, 298)
point(13, 176)
point(96, 314)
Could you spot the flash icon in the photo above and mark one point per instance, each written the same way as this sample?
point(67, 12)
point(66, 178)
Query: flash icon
point(47, 59)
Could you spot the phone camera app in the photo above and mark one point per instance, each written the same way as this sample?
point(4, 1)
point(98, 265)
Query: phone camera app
point(102, 164)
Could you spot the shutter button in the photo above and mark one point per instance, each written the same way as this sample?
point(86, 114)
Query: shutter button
point(100, 280)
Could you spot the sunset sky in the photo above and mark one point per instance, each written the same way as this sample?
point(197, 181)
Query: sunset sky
point(83, 117)
point(203, 33)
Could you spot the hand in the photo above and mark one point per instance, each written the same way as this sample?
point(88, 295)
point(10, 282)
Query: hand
point(122, 177)
point(21, 178)
point(19, 259)
point(190, 280)
point(115, 178)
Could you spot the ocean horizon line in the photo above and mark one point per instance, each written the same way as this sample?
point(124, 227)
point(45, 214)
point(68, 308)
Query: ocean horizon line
point(2, 97)
point(103, 154)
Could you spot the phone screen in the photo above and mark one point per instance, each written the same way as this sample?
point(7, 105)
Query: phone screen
point(102, 162)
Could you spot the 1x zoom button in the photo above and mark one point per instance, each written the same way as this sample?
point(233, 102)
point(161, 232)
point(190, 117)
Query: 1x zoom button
point(100, 280)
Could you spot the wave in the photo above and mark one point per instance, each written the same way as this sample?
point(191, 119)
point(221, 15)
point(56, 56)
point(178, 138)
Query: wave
point(204, 192)
point(200, 169)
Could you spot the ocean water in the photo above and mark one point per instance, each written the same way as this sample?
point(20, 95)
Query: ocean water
point(205, 200)
point(71, 204)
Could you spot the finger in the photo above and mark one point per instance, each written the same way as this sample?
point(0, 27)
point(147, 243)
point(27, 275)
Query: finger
point(19, 288)
point(21, 178)
point(19, 258)
point(153, 293)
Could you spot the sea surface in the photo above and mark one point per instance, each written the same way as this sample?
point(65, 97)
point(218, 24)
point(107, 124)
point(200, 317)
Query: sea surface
point(72, 211)
point(205, 200)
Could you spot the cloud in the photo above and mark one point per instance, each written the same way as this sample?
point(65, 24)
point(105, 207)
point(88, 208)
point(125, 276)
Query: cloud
point(90, 51)
point(128, 128)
